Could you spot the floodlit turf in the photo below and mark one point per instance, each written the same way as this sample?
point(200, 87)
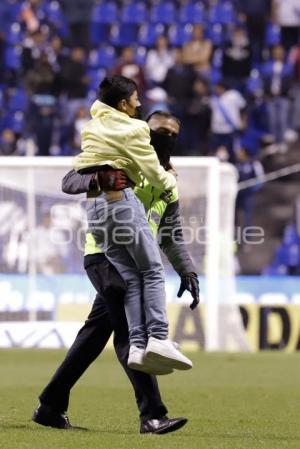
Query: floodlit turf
point(232, 402)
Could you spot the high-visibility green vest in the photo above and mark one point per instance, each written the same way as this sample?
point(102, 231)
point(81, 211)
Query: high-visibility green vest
point(155, 202)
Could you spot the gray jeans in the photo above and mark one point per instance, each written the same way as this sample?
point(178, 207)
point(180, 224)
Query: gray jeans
point(278, 109)
point(119, 225)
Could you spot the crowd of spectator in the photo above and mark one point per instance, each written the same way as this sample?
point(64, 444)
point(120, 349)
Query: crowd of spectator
point(230, 70)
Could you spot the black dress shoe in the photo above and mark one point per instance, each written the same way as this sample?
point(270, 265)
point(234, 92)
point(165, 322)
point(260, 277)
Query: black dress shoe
point(47, 416)
point(162, 425)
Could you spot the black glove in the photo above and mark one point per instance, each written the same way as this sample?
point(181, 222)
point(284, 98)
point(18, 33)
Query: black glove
point(189, 281)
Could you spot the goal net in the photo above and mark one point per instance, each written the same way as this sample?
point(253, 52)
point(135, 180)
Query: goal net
point(42, 237)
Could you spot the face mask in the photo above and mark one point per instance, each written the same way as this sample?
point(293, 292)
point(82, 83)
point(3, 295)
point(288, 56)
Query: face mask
point(163, 145)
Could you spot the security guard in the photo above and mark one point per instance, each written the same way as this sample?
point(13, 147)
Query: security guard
point(107, 313)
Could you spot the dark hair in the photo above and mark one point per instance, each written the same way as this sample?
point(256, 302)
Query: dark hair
point(163, 114)
point(116, 88)
point(224, 84)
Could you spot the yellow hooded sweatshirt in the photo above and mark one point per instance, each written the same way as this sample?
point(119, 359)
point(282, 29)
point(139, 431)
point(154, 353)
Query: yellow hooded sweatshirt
point(113, 138)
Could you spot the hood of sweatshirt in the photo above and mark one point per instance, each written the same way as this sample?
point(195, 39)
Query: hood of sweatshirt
point(100, 109)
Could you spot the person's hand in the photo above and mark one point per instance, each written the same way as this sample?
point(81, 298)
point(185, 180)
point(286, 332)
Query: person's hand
point(189, 282)
point(113, 180)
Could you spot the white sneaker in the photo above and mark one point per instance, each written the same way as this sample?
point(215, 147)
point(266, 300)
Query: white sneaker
point(165, 352)
point(136, 362)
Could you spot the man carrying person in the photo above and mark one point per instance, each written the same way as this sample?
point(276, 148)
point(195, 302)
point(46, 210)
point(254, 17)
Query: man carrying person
point(107, 314)
point(113, 138)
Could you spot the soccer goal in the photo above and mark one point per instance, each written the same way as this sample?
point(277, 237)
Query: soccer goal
point(42, 236)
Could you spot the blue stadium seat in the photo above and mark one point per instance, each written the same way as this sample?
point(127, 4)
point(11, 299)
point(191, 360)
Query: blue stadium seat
point(216, 34)
point(55, 16)
point(215, 76)
point(14, 34)
point(140, 55)
point(192, 13)
point(254, 82)
point(53, 12)
point(96, 76)
point(163, 12)
point(275, 270)
point(217, 59)
point(3, 9)
point(92, 95)
point(104, 57)
point(1, 124)
point(14, 121)
point(223, 13)
point(273, 34)
point(123, 35)
point(106, 12)
point(18, 101)
point(288, 255)
point(290, 235)
point(99, 33)
point(148, 34)
point(12, 57)
point(251, 139)
point(134, 12)
point(180, 34)
point(9, 13)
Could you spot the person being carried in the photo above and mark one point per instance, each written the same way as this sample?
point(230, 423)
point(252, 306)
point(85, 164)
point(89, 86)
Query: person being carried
point(117, 220)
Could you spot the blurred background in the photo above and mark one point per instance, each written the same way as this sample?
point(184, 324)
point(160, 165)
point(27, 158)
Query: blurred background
point(228, 69)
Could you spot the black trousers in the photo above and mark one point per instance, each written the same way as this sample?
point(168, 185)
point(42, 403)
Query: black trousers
point(290, 37)
point(107, 315)
point(256, 26)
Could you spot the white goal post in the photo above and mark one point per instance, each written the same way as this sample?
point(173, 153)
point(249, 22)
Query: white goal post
point(30, 197)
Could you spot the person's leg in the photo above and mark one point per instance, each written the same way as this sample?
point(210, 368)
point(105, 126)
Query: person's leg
point(283, 116)
point(256, 26)
point(44, 133)
point(147, 260)
point(222, 146)
point(232, 145)
point(239, 208)
point(143, 249)
point(296, 108)
point(105, 276)
point(89, 343)
point(249, 208)
point(122, 229)
point(272, 118)
point(289, 37)
point(215, 143)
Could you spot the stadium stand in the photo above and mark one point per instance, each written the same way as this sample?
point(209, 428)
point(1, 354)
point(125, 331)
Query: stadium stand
point(55, 32)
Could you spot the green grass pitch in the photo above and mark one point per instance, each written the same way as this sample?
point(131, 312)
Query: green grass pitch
point(233, 401)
